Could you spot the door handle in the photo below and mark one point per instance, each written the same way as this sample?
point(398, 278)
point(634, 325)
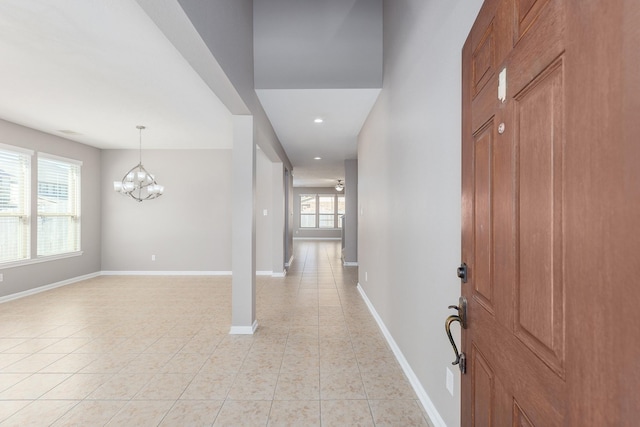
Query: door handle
point(461, 317)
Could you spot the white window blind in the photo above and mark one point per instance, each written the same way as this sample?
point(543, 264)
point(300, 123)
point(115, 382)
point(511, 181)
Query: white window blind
point(58, 205)
point(15, 178)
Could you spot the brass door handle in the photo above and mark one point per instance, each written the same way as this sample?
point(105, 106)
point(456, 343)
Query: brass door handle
point(461, 317)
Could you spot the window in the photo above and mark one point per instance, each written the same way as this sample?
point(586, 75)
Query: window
point(321, 210)
point(327, 211)
point(340, 210)
point(15, 178)
point(307, 211)
point(58, 205)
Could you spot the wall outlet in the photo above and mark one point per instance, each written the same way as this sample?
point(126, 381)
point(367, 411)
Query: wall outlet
point(153, 257)
point(366, 276)
point(1, 277)
point(450, 381)
point(264, 212)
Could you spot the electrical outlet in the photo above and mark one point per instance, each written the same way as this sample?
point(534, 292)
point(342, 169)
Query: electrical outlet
point(450, 381)
point(153, 257)
point(264, 212)
point(366, 276)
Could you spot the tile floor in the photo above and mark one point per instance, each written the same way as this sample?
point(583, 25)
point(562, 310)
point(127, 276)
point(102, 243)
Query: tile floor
point(149, 351)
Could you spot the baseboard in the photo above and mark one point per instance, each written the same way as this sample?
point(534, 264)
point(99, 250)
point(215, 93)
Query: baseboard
point(350, 264)
point(271, 273)
point(288, 264)
point(264, 273)
point(44, 288)
point(428, 405)
point(317, 238)
point(165, 273)
point(244, 330)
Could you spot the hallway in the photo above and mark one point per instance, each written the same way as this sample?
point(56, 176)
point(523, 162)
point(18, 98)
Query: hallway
point(156, 351)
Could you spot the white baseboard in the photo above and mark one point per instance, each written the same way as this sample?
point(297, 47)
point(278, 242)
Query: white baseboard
point(429, 407)
point(244, 330)
point(349, 264)
point(283, 274)
point(48, 287)
point(288, 264)
point(165, 273)
point(317, 238)
point(264, 273)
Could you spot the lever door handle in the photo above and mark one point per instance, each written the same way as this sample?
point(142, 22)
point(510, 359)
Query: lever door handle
point(461, 317)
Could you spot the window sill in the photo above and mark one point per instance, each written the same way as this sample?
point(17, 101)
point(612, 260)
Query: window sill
point(39, 260)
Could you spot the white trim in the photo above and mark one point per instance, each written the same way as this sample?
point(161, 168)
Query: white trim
point(16, 149)
point(283, 274)
point(44, 258)
point(288, 264)
point(244, 330)
point(350, 264)
point(42, 155)
point(48, 287)
point(264, 273)
point(428, 405)
point(165, 273)
point(317, 238)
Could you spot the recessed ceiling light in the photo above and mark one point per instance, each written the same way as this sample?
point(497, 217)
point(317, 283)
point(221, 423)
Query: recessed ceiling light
point(317, 158)
point(318, 120)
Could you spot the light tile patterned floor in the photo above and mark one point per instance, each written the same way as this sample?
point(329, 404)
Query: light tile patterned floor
point(148, 351)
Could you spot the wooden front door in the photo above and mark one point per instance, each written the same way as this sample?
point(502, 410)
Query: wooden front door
point(545, 205)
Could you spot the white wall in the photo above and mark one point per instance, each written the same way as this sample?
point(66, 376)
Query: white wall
point(188, 228)
point(26, 277)
point(409, 186)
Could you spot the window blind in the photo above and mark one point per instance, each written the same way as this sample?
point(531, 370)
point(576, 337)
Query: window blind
point(15, 178)
point(58, 205)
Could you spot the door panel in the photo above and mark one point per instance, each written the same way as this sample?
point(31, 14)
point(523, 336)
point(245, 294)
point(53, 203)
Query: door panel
point(483, 238)
point(483, 400)
point(539, 285)
point(527, 12)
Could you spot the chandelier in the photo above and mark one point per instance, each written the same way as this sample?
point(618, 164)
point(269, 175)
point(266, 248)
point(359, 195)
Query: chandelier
point(138, 182)
point(339, 185)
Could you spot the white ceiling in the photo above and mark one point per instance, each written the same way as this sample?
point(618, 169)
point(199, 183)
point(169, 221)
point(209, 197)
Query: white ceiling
point(99, 69)
point(91, 71)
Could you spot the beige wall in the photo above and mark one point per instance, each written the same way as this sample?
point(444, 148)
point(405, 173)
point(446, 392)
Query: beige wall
point(27, 277)
point(188, 228)
point(409, 187)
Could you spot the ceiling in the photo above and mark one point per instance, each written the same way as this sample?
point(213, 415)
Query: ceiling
point(92, 71)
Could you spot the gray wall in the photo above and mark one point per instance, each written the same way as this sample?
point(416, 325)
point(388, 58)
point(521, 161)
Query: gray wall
point(188, 228)
point(264, 189)
point(321, 44)
point(409, 186)
point(23, 278)
point(350, 252)
point(226, 27)
point(301, 233)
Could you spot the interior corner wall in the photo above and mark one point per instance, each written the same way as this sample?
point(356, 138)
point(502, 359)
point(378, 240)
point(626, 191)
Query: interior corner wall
point(312, 233)
point(226, 27)
point(27, 277)
point(188, 229)
point(409, 187)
